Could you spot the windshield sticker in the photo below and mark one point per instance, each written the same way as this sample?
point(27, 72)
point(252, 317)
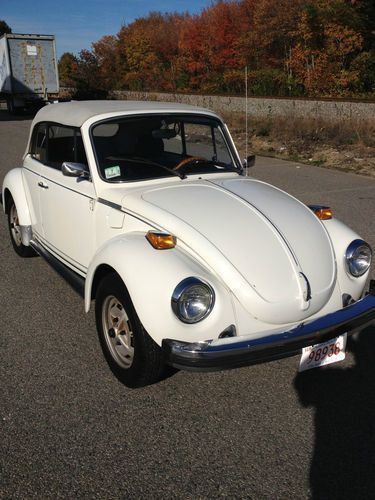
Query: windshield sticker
point(112, 172)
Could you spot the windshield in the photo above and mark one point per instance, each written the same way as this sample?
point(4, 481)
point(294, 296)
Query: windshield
point(149, 147)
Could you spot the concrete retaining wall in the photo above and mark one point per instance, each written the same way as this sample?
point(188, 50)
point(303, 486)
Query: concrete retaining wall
point(259, 107)
point(265, 107)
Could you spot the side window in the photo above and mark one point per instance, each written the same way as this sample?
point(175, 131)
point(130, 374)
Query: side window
point(222, 153)
point(64, 144)
point(60, 145)
point(39, 143)
point(79, 150)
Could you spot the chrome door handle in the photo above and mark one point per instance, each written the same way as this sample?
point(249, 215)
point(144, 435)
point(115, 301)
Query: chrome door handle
point(42, 185)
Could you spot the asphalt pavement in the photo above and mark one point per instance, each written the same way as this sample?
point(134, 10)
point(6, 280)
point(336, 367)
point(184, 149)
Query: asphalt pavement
point(69, 429)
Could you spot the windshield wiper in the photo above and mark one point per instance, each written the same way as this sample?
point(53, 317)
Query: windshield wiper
point(181, 175)
point(218, 164)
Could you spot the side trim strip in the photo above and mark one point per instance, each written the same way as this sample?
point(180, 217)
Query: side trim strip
point(115, 206)
point(31, 171)
point(110, 204)
point(66, 187)
point(76, 281)
point(58, 254)
point(57, 183)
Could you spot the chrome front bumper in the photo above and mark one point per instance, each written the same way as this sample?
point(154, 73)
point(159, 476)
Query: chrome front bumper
point(234, 352)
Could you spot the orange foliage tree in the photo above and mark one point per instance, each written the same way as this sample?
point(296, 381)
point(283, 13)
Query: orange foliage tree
point(210, 52)
point(322, 54)
point(291, 47)
point(108, 62)
point(148, 48)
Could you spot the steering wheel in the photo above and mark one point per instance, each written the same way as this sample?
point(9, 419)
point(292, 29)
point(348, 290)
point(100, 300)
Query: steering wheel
point(186, 161)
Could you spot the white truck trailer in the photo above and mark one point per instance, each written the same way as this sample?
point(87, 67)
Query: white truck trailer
point(28, 71)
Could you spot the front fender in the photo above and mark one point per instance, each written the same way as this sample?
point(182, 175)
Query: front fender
point(13, 183)
point(341, 236)
point(151, 276)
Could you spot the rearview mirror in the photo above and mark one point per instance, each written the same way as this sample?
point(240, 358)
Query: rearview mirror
point(164, 133)
point(249, 161)
point(71, 169)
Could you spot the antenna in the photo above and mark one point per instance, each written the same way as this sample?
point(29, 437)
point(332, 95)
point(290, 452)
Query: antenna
point(246, 135)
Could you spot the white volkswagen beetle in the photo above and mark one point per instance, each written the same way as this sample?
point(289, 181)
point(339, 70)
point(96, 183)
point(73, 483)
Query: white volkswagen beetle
point(145, 208)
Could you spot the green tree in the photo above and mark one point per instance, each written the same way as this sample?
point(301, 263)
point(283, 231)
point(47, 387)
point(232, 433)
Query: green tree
point(68, 65)
point(4, 28)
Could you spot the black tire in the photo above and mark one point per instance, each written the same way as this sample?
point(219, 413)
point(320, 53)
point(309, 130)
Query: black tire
point(14, 232)
point(12, 109)
point(146, 364)
point(10, 105)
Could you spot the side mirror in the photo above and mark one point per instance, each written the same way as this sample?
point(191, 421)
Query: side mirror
point(71, 169)
point(249, 161)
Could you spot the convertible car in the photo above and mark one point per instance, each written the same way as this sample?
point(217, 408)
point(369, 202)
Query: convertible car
point(146, 209)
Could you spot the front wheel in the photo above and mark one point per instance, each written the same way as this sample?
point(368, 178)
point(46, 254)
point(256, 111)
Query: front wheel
point(132, 355)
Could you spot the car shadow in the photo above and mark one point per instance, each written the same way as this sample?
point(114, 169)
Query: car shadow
point(343, 462)
point(5, 116)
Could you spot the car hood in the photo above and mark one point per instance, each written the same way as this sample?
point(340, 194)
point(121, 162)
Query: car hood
point(270, 250)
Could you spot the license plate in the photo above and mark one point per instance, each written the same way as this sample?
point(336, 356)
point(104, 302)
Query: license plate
point(322, 354)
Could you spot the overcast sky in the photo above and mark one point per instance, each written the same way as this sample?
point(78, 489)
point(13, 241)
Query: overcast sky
point(77, 23)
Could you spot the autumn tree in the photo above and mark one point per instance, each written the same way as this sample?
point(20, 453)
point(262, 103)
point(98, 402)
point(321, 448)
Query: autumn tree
point(364, 63)
point(365, 11)
point(268, 44)
point(210, 49)
point(148, 48)
point(325, 47)
point(106, 56)
point(87, 78)
point(291, 47)
point(194, 53)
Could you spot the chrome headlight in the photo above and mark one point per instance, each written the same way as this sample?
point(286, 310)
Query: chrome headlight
point(358, 257)
point(192, 300)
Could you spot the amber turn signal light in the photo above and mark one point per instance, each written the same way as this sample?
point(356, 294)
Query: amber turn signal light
point(323, 213)
point(161, 241)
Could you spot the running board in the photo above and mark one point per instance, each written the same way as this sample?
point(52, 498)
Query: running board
point(76, 281)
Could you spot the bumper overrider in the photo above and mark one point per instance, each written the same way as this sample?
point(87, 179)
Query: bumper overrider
point(241, 351)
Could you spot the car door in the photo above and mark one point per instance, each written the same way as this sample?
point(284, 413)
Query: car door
point(66, 203)
point(31, 174)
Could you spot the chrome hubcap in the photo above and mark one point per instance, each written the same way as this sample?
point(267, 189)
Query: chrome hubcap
point(15, 226)
point(118, 332)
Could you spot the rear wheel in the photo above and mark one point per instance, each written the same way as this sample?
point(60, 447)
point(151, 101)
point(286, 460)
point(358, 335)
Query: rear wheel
point(132, 355)
point(15, 232)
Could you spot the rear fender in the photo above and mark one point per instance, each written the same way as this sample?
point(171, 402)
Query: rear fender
point(13, 186)
point(150, 277)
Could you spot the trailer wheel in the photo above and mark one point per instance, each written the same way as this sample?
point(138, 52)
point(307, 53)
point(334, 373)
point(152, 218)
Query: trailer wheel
point(12, 109)
point(10, 105)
